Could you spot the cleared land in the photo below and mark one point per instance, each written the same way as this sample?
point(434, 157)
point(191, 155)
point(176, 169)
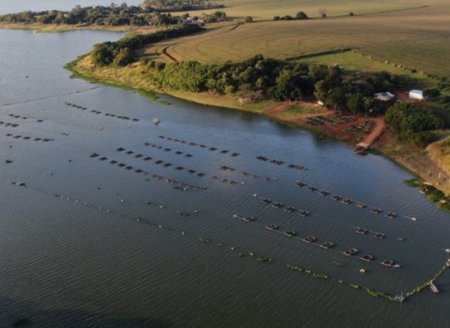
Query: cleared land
point(266, 9)
point(414, 38)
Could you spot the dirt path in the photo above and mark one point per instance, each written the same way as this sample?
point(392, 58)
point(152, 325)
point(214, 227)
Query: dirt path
point(380, 126)
point(281, 107)
point(235, 27)
point(166, 53)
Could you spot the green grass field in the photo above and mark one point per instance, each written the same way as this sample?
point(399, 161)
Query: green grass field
point(356, 61)
point(415, 38)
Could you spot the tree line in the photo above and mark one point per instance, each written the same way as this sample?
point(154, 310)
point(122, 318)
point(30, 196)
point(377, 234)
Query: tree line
point(123, 51)
point(180, 5)
point(276, 80)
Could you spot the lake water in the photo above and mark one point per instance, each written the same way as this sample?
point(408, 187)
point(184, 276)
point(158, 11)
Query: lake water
point(88, 243)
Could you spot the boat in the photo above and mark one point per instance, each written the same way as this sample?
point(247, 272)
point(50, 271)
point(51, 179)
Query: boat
point(388, 263)
point(324, 192)
point(248, 219)
point(391, 215)
point(272, 227)
point(361, 205)
point(303, 213)
point(346, 201)
point(156, 121)
point(433, 288)
point(301, 184)
point(362, 231)
point(350, 251)
point(309, 239)
point(290, 233)
point(367, 258)
point(376, 210)
point(277, 205)
point(380, 235)
point(327, 245)
point(290, 209)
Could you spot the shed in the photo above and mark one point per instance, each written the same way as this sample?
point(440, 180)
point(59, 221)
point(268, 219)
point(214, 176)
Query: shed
point(384, 96)
point(416, 94)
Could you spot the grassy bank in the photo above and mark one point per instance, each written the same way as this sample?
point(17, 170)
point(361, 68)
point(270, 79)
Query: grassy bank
point(133, 78)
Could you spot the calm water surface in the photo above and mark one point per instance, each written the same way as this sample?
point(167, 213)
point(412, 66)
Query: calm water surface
point(90, 244)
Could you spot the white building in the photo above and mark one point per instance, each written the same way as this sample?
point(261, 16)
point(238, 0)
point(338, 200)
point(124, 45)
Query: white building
point(384, 96)
point(416, 94)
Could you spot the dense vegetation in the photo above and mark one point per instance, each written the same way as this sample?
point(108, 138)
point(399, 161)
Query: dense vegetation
point(180, 5)
point(414, 123)
point(98, 15)
point(261, 78)
point(123, 51)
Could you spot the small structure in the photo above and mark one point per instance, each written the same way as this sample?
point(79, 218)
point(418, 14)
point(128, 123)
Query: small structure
point(382, 101)
point(416, 94)
point(384, 96)
point(362, 148)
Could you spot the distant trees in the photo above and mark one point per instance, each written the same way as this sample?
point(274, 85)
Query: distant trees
point(180, 5)
point(299, 16)
point(110, 15)
point(218, 16)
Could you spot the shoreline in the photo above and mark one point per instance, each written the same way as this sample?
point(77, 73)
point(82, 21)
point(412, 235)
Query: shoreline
point(411, 158)
point(55, 28)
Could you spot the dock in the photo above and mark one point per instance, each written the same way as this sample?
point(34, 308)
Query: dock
point(364, 146)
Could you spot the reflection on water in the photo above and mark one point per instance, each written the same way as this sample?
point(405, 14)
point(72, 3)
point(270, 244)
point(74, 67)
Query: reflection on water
point(100, 223)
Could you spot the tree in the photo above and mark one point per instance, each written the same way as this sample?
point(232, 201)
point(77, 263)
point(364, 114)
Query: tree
point(288, 86)
point(323, 13)
point(102, 54)
point(248, 19)
point(124, 57)
point(337, 99)
point(301, 15)
point(355, 103)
